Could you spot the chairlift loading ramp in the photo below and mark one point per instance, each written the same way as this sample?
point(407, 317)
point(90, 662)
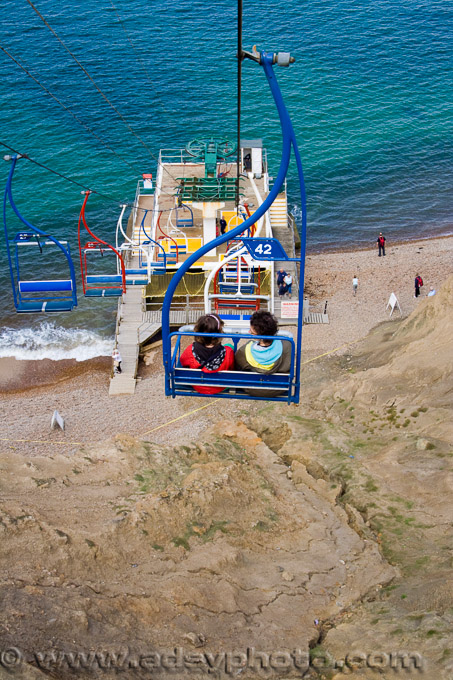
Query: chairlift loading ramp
point(136, 328)
point(129, 317)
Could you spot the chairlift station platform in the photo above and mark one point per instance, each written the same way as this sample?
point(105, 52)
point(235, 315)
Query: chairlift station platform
point(177, 213)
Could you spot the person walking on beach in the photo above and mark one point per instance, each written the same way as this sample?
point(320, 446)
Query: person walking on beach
point(355, 285)
point(381, 244)
point(116, 356)
point(418, 285)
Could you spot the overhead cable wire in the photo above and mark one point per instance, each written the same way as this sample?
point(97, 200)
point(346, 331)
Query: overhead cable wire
point(136, 170)
point(73, 181)
point(87, 127)
point(59, 174)
point(139, 58)
point(35, 9)
point(90, 78)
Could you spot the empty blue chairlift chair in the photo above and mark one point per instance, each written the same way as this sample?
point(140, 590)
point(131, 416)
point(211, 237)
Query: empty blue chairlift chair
point(158, 267)
point(99, 284)
point(179, 380)
point(184, 216)
point(30, 252)
point(144, 247)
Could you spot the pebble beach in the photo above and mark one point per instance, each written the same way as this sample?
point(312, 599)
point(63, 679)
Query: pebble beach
point(32, 390)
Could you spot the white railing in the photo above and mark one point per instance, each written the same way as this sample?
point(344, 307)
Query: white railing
point(176, 157)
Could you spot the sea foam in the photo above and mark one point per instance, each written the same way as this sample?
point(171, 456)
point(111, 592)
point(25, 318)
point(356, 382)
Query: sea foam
point(48, 341)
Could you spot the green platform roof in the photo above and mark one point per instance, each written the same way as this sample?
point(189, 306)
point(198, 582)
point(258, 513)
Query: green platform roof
point(207, 189)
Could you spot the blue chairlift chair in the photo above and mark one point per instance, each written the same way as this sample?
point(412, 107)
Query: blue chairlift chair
point(33, 290)
point(236, 383)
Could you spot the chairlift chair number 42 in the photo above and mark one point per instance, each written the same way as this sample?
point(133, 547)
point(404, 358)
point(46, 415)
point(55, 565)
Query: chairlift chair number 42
point(179, 381)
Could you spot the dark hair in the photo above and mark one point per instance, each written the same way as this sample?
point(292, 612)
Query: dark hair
point(210, 323)
point(264, 323)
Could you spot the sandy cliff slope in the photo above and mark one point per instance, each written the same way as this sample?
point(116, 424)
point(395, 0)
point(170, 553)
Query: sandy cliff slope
point(325, 526)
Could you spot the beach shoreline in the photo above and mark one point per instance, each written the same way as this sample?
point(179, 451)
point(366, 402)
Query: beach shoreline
point(328, 279)
point(331, 250)
point(19, 375)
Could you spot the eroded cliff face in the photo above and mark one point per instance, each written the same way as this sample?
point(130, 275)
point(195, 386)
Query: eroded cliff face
point(216, 545)
point(325, 526)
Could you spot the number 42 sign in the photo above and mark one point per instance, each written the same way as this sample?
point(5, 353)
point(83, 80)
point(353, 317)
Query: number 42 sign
point(266, 249)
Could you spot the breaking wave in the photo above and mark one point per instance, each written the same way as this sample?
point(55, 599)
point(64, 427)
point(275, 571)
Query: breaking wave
point(48, 341)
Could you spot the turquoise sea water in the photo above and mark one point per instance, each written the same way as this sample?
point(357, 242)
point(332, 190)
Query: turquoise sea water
point(369, 94)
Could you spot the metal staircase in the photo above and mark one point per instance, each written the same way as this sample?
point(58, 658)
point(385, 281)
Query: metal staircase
point(281, 230)
point(129, 319)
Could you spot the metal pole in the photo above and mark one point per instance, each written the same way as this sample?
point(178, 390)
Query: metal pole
point(239, 100)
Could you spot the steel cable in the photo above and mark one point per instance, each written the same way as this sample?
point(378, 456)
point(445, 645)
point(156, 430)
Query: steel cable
point(73, 181)
point(87, 127)
point(139, 58)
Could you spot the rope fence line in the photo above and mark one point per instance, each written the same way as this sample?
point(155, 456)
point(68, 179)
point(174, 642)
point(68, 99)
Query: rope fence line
point(44, 441)
point(169, 422)
point(352, 342)
point(184, 415)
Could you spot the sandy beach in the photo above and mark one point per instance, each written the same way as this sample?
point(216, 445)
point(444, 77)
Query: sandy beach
point(31, 391)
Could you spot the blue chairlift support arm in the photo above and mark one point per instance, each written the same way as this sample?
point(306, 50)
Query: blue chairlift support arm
point(142, 226)
point(266, 60)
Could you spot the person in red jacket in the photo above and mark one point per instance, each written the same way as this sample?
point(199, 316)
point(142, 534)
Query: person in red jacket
point(381, 243)
point(208, 353)
point(418, 285)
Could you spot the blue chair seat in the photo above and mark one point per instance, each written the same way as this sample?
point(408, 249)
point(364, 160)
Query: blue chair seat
point(104, 292)
point(184, 379)
point(45, 286)
point(34, 306)
point(104, 278)
point(136, 281)
point(246, 289)
point(235, 317)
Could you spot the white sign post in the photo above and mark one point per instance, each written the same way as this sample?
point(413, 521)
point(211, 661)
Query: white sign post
point(392, 303)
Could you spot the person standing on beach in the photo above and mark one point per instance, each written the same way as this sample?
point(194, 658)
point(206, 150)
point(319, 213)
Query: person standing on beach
point(381, 244)
point(355, 285)
point(116, 356)
point(418, 285)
